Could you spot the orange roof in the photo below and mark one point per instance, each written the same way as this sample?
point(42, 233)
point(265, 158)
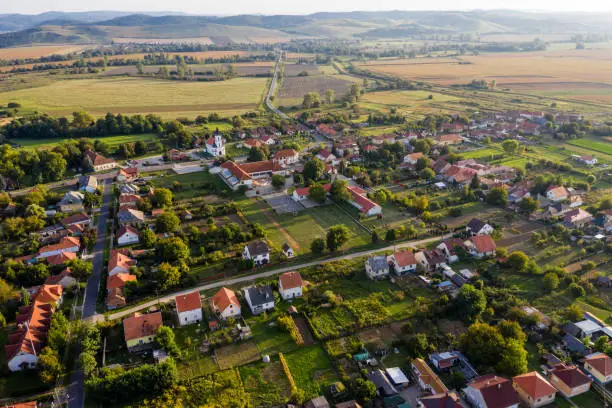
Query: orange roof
point(304, 191)
point(128, 198)
point(236, 171)
point(223, 298)
point(285, 153)
point(97, 159)
point(115, 298)
point(404, 258)
point(120, 260)
point(65, 243)
point(29, 404)
point(534, 385)
point(260, 166)
point(252, 143)
point(55, 279)
point(141, 325)
point(61, 258)
point(572, 376)
point(126, 229)
point(415, 156)
point(119, 280)
point(30, 340)
point(483, 243)
point(129, 171)
point(364, 203)
point(290, 280)
point(600, 362)
point(49, 293)
point(450, 138)
point(190, 301)
point(428, 377)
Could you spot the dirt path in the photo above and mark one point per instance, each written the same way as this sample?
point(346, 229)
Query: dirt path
point(302, 326)
point(292, 242)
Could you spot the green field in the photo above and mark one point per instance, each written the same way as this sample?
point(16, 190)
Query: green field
point(311, 369)
point(113, 141)
point(191, 185)
point(601, 147)
point(169, 99)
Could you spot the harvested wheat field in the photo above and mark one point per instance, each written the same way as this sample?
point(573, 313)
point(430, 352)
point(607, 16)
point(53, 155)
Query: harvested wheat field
point(38, 51)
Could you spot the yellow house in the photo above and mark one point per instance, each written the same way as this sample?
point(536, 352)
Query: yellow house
point(139, 330)
point(570, 381)
point(599, 365)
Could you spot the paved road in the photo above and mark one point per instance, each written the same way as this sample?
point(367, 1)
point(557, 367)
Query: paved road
point(272, 89)
point(267, 274)
point(66, 183)
point(77, 390)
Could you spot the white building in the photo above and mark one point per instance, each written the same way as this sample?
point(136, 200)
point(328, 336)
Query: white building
point(259, 298)
point(478, 227)
point(403, 262)
point(377, 267)
point(258, 252)
point(66, 244)
point(290, 285)
point(288, 251)
point(128, 235)
point(215, 145)
point(226, 304)
point(189, 308)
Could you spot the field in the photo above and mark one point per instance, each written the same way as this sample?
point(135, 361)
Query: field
point(293, 88)
point(236, 354)
point(169, 99)
point(267, 383)
point(311, 369)
point(602, 147)
point(113, 141)
point(192, 184)
point(38, 51)
point(414, 103)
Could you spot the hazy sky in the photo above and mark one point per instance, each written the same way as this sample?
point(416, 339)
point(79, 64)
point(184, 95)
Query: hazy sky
point(292, 6)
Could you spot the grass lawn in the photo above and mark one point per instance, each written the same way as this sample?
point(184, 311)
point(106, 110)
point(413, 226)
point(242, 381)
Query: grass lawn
point(113, 141)
point(193, 363)
point(312, 370)
point(235, 355)
point(192, 184)
point(125, 95)
point(484, 153)
point(588, 400)
point(267, 335)
point(266, 383)
point(598, 146)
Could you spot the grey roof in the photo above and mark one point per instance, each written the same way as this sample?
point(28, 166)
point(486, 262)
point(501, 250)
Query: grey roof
point(571, 329)
point(260, 295)
point(130, 215)
point(378, 262)
point(318, 402)
point(72, 197)
point(286, 247)
point(476, 225)
point(258, 248)
point(458, 280)
point(573, 344)
point(382, 383)
point(88, 181)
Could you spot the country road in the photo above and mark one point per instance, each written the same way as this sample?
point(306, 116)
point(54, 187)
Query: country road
point(272, 89)
point(267, 274)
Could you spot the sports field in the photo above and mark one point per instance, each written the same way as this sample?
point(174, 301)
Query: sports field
point(169, 99)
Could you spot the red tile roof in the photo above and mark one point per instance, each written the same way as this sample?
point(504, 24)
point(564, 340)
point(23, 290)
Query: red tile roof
point(55, 279)
point(48, 294)
point(260, 166)
point(190, 301)
point(97, 159)
point(65, 243)
point(572, 376)
point(404, 258)
point(128, 198)
point(142, 325)
point(534, 385)
point(483, 243)
point(290, 280)
point(117, 259)
point(305, 190)
point(61, 258)
point(128, 228)
point(285, 153)
point(119, 280)
point(236, 171)
point(75, 219)
point(600, 362)
point(129, 172)
point(223, 298)
point(497, 392)
point(361, 200)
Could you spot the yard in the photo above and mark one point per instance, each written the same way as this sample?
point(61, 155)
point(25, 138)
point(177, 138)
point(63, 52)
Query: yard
point(191, 185)
point(237, 354)
point(312, 370)
point(266, 383)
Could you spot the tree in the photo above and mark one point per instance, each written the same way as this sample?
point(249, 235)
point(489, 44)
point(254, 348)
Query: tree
point(513, 358)
point(329, 95)
point(482, 344)
point(336, 237)
point(419, 346)
point(316, 192)
point(162, 197)
point(576, 290)
point(318, 246)
point(517, 260)
point(311, 100)
point(422, 163)
point(88, 363)
point(391, 235)
point(428, 174)
point(510, 146)
point(49, 365)
point(550, 281)
point(313, 169)
point(278, 181)
point(475, 183)
point(375, 237)
point(80, 269)
point(148, 238)
point(591, 179)
point(258, 154)
point(167, 222)
point(470, 302)
point(364, 390)
point(168, 276)
point(35, 210)
point(497, 196)
point(7, 291)
point(172, 249)
point(529, 205)
point(166, 340)
point(511, 329)
point(339, 191)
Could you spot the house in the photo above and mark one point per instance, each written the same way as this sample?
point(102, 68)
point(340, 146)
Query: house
point(588, 160)
point(236, 175)
point(478, 227)
point(50, 294)
point(577, 218)
point(599, 366)
point(63, 279)
point(114, 290)
point(259, 298)
point(430, 260)
point(428, 380)
point(384, 388)
point(403, 262)
point(66, 244)
point(189, 308)
point(226, 304)
point(574, 345)
point(119, 263)
point(287, 156)
point(557, 193)
point(139, 330)
point(359, 200)
point(88, 184)
point(449, 247)
point(326, 156)
point(570, 380)
point(412, 158)
point(176, 155)
point(71, 202)
point(481, 246)
point(267, 140)
point(215, 145)
point(318, 402)
point(446, 400)
point(251, 143)
point(80, 219)
point(128, 235)
point(451, 139)
point(491, 391)
point(287, 251)
point(129, 216)
point(127, 174)
point(129, 189)
point(119, 281)
point(377, 267)
point(534, 390)
point(444, 361)
point(61, 258)
point(97, 162)
point(129, 200)
point(397, 377)
point(290, 285)
point(300, 194)
point(258, 252)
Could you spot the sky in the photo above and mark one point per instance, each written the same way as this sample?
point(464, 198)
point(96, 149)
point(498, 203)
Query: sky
point(210, 7)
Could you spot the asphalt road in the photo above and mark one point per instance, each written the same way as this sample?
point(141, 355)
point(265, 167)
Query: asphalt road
point(267, 274)
point(77, 386)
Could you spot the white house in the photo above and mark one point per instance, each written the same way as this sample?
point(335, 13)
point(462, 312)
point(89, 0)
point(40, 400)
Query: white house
point(377, 267)
point(189, 308)
point(481, 246)
point(286, 156)
point(290, 285)
point(412, 158)
point(215, 145)
point(491, 391)
point(119, 263)
point(403, 262)
point(66, 244)
point(88, 184)
point(300, 194)
point(128, 235)
point(557, 193)
point(449, 247)
point(226, 304)
point(64, 279)
point(588, 160)
point(288, 251)
point(258, 252)
point(259, 298)
point(326, 156)
point(478, 227)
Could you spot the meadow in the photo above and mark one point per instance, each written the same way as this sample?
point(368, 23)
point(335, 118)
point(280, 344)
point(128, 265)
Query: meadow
point(603, 147)
point(38, 51)
point(112, 141)
point(169, 99)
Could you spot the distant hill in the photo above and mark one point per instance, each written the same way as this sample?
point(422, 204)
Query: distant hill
point(103, 27)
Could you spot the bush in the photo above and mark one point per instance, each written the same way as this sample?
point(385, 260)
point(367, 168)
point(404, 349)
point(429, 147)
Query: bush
point(576, 290)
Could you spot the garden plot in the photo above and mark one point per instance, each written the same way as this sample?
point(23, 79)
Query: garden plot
point(237, 354)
